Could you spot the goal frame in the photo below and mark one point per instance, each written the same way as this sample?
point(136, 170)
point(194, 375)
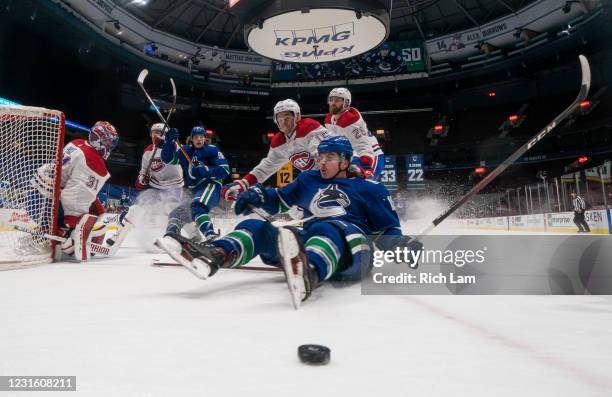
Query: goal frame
point(25, 112)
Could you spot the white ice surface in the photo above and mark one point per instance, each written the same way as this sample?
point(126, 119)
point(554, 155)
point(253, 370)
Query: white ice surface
point(124, 327)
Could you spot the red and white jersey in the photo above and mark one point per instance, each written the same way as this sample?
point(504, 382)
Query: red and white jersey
point(350, 124)
point(300, 148)
point(162, 176)
point(83, 175)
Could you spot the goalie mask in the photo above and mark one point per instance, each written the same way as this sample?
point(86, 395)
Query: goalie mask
point(288, 105)
point(104, 138)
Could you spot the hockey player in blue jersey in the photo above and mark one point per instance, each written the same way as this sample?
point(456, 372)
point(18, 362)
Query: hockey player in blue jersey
point(204, 170)
point(339, 213)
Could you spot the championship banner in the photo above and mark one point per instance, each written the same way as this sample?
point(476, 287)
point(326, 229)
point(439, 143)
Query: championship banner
point(415, 171)
point(388, 176)
point(284, 175)
point(394, 57)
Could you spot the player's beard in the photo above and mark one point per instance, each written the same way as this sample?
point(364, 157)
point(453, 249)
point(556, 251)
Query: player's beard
point(335, 110)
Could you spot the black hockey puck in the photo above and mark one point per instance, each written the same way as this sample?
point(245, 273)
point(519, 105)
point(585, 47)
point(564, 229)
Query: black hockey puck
point(314, 354)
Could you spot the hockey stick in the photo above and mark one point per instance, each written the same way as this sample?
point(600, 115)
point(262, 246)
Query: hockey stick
point(96, 248)
point(254, 268)
point(141, 78)
point(584, 90)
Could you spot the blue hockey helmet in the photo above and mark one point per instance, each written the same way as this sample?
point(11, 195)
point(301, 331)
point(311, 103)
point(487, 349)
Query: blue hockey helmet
point(337, 144)
point(198, 130)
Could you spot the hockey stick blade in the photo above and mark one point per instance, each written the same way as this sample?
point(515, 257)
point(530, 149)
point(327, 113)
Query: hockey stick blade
point(584, 91)
point(96, 248)
point(142, 76)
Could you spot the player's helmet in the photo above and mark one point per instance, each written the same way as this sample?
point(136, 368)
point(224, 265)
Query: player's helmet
point(161, 127)
point(104, 138)
point(385, 46)
point(198, 130)
point(343, 93)
point(287, 105)
point(337, 144)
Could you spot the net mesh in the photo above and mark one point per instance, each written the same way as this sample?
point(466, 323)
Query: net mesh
point(31, 141)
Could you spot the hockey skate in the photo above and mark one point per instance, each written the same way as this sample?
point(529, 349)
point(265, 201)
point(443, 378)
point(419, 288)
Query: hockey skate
point(201, 259)
point(302, 278)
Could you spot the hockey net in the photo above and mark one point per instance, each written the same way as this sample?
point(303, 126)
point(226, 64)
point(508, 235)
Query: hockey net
point(31, 144)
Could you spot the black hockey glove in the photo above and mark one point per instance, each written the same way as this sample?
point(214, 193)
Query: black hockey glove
point(253, 196)
point(172, 135)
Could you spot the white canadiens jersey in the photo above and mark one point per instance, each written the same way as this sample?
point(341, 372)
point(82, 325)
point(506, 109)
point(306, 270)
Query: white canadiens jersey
point(162, 176)
point(83, 176)
point(351, 125)
point(299, 148)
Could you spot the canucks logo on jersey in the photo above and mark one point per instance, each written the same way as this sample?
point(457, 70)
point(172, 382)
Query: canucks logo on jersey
point(329, 201)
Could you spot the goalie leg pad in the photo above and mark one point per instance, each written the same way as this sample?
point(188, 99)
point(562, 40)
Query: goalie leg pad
point(98, 233)
point(81, 236)
point(135, 215)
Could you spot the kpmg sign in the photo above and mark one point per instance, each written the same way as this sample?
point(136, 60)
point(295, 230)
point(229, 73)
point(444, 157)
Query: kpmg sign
point(320, 35)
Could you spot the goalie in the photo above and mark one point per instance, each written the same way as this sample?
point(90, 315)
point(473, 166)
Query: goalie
point(348, 209)
point(83, 176)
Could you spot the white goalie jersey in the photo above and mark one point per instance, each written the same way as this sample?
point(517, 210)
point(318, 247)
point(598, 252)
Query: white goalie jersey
point(84, 174)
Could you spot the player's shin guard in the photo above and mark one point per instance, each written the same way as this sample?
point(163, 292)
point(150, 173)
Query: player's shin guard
point(174, 226)
point(205, 225)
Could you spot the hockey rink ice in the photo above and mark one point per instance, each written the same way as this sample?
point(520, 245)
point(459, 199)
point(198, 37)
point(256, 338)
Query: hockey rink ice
point(125, 327)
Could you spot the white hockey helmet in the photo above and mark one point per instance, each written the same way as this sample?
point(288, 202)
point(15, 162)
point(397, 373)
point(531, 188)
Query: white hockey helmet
point(343, 93)
point(287, 105)
point(161, 127)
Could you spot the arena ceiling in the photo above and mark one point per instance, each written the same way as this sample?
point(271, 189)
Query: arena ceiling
point(211, 21)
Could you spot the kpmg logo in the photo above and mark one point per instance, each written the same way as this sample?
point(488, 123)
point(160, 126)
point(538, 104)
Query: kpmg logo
point(315, 43)
point(319, 35)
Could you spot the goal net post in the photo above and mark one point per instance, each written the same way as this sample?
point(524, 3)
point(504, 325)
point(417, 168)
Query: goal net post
point(31, 147)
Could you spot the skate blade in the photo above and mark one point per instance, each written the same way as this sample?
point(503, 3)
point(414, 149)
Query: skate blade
point(289, 248)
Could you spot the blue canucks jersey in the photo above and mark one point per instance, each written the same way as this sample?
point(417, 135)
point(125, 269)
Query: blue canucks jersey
point(363, 203)
point(214, 166)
